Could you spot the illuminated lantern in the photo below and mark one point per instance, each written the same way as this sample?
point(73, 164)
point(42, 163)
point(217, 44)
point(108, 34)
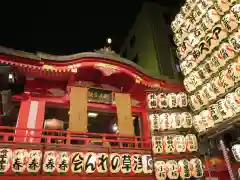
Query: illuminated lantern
point(196, 52)
point(222, 6)
point(126, 163)
point(215, 113)
point(219, 33)
point(172, 169)
point(231, 101)
point(7, 157)
point(77, 162)
point(162, 100)
point(191, 143)
point(152, 100)
point(203, 72)
point(19, 158)
point(198, 124)
point(194, 103)
point(172, 100)
point(207, 119)
point(216, 62)
point(226, 52)
point(174, 26)
point(191, 41)
point(168, 144)
point(157, 144)
point(235, 11)
point(190, 63)
point(171, 119)
point(115, 163)
point(147, 164)
point(177, 39)
point(204, 49)
point(184, 168)
point(203, 100)
point(182, 99)
point(63, 162)
point(229, 22)
point(155, 122)
point(212, 17)
point(198, 32)
point(160, 170)
point(183, 67)
point(217, 86)
point(186, 120)
point(176, 120)
point(205, 25)
point(196, 168)
point(188, 86)
point(234, 40)
point(49, 161)
point(164, 121)
point(34, 161)
point(212, 41)
point(209, 92)
point(225, 110)
point(90, 159)
point(226, 80)
point(236, 152)
point(179, 143)
point(102, 162)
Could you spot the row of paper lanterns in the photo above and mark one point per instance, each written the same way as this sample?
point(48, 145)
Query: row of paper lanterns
point(172, 143)
point(226, 79)
point(170, 121)
point(224, 109)
point(163, 100)
point(183, 168)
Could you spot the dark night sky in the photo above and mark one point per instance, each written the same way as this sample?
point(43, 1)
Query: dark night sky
point(65, 28)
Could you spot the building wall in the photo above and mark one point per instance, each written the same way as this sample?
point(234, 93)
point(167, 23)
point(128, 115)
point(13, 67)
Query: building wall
point(153, 41)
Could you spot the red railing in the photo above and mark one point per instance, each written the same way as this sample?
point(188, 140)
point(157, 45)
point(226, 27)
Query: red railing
point(66, 138)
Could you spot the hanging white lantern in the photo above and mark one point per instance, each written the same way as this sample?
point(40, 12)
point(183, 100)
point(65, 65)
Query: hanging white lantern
point(216, 62)
point(207, 118)
point(155, 122)
point(172, 169)
point(226, 52)
point(177, 39)
point(219, 33)
point(215, 113)
point(235, 11)
point(236, 152)
point(152, 100)
point(162, 100)
point(164, 121)
point(198, 124)
point(226, 80)
point(186, 120)
point(229, 22)
point(209, 92)
point(172, 100)
point(160, 170)
point(182, 99)
point(198, 32)
point(157, 142)
point(179, 143)
point(183, 67)
point(184, 168)
point(234, 40)
point(197, 168)
point(217, 86)
point(203, 100)
point(225, 110)
point(191, 143)
point(231, 101)
point(222, 6)
point(194, 103)
point(176, 120)
point(168, 144)
point(196, 52)
point(212, 41)
point(7, 154)
point(212, 17)
point(190, 63)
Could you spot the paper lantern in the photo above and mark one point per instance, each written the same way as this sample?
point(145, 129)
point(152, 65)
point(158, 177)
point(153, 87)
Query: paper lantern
point(177, 39)
point(34, 161)
point(225, 79)
point(115, 163)
point(147, 164)
point(226, 52)
point(157, 144)
point(164, 121)
point(212, 17)
point(160, 170)
point(19, 159)
point(155, 122)
point(231, 101)
point(77, 162)
point(184, 168)
point(207, 118)
point(219, 33)
point(197, 168)
point(182, 99)
point(183, 67)
point(152, 100)
point(172, 169)
point(225, 110)
point(215, 113)
point(235, 11)
point(229, 22)
point(50, 161)
point(198, 32)
point(191, 143)
point(126, 163)
point(222, 6)
point(7, 155)
point(217, 86)
point(234, 41)
point(194, 103)
point(176, 120)
point(172, 100)
point(186, 120)
point(179, 143)
point(162, 100)
point(63, 161)
point(209, 92)
point(198, 124)
point(201, 97)
point(216, 62)
point(102, 162)
point(236, 152)
point(196, 52)
point(168, 144)
point(212, 41)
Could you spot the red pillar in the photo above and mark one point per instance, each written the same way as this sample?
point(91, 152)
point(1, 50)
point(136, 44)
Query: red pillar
point(22, 120)
point(39, 120)
point(145, 129)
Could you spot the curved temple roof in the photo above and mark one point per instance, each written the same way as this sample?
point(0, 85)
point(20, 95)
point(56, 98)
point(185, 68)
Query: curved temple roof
point(21, 58)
